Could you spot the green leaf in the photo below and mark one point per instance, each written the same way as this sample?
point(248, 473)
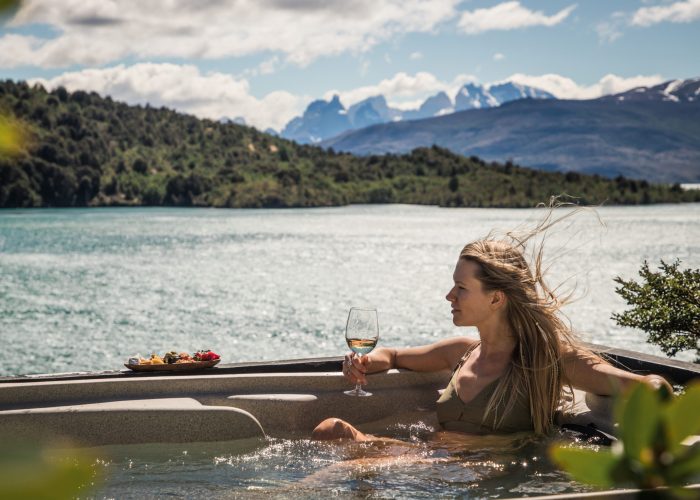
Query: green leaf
point(28, 471)
point(587, 466)
point(11, 139)
point(686, 468)
point(8, 8)
point(639, 415)
point(682, 417)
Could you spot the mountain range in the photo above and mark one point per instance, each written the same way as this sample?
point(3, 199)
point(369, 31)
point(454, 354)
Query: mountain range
point(647, 132)
point(325, 119)
point(83, 149)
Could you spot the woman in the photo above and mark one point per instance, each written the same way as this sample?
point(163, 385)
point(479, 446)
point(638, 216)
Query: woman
point(512, 378)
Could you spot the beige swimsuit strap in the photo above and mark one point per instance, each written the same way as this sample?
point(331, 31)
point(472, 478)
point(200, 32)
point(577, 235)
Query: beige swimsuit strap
point(465, 357)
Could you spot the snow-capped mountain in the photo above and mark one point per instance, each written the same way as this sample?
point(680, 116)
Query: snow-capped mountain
point(674, 90)
point(473, 96)
point(321, 119)
point(510, 91)
point(372, 111)
point(325, 119)
point(650, 133)
point(437, 105)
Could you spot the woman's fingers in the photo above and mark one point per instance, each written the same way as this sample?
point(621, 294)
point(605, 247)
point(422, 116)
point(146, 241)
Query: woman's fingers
point(348, 369)
point(354, 369)
point(359, 362)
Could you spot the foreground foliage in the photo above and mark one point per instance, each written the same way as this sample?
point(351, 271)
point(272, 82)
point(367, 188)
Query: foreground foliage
point(86, 150)
point(666, 305)
point(33, 472)
point(650, 453)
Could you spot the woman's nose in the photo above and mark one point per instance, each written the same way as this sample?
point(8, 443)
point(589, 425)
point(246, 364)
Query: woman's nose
point(449, 295)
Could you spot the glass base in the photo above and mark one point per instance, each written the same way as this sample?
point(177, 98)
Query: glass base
point(357, 392)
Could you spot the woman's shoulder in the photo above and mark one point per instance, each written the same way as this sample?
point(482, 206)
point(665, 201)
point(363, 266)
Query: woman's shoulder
point(457, 343)
point(441, 355)
point(456, 347)
point(462, 341)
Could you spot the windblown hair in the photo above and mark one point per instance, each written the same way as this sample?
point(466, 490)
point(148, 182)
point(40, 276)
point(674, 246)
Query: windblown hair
point(542, 337)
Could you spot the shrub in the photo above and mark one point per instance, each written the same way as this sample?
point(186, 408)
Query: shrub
point(140, 166)
point(666, 305)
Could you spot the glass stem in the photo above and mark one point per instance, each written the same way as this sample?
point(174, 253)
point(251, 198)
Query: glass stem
point(358, 388)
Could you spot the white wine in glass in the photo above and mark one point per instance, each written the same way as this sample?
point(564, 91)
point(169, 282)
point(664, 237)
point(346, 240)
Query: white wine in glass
point(362, 335)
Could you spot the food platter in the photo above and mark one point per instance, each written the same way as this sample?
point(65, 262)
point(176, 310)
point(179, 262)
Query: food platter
point(173, 367)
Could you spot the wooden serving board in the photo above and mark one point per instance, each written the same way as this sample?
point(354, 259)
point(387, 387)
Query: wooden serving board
point(174, 367)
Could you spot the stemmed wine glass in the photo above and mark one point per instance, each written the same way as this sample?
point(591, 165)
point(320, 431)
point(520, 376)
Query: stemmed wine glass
point(362, 335)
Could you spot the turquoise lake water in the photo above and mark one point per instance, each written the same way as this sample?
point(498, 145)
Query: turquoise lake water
point(83, 289)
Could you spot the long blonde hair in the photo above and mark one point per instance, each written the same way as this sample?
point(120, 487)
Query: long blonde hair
point(532, 309)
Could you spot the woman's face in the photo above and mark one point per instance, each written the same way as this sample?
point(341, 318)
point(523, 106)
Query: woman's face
point(471, 306)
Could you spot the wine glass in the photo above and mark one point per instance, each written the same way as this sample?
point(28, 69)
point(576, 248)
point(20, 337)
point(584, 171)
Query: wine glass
point(362, 335)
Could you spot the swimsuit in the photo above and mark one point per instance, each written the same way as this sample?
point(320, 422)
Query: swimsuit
point(455, 415)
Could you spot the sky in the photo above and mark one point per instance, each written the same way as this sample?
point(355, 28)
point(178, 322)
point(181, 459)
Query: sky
point(266, 60)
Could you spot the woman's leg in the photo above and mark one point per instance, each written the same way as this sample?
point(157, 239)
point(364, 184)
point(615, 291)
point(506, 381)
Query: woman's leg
point(335, 428)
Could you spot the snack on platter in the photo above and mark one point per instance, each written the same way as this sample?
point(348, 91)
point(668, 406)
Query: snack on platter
point(174, 361)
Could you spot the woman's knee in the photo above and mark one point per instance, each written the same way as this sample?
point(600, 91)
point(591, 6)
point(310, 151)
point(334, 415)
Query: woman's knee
point(334, 428)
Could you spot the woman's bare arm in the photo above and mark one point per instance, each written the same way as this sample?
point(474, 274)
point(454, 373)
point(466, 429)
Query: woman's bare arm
point(442, 355)
point(588, 372)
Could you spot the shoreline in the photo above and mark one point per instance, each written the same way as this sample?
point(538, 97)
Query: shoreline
point(417, 205)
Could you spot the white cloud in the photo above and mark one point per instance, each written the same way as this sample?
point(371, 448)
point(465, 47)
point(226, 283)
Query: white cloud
point(268, 66)
point(217, 95)
point(185, 88)
point(610, 30)
point(97, 32)
point(415, 56)
point(498, 56)
point(364, 68)
point(678, 12)
point(402, 91)
point(16, 48)
point(508, 16)
point(565, 88)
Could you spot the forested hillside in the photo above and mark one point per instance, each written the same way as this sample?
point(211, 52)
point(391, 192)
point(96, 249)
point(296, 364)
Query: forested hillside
point(86, 150)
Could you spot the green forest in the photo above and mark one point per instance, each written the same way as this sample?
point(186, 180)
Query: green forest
point(82, 149)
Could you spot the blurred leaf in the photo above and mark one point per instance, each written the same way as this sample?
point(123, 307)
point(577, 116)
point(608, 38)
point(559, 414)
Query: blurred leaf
point(649, 453)
point(687, 468)
point(587, 466)
point(680, 493)
point(11, 137)
point(31, 472)
point(639, 415)
point(8, 8)
point(682, 417)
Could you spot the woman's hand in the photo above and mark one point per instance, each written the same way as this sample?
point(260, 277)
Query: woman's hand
point(657, 382)
point(355, 368)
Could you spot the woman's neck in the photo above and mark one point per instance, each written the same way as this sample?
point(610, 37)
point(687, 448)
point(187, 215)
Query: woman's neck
point(496, 340)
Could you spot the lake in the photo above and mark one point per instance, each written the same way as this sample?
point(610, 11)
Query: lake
point(83, 289)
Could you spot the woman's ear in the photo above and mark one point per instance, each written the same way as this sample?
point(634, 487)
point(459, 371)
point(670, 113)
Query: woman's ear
point(498, 299)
